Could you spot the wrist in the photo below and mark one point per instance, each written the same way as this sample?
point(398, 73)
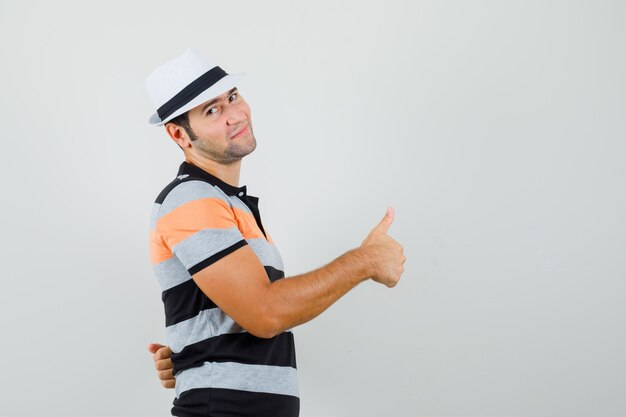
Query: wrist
point(365, 260)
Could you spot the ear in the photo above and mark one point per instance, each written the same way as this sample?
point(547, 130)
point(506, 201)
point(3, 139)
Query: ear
point(178, 135)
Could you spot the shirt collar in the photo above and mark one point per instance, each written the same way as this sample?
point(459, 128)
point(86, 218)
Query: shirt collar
point(193, 171)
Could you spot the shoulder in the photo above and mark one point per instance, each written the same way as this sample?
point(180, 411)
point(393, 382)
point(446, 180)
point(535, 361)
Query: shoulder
point(183, 191)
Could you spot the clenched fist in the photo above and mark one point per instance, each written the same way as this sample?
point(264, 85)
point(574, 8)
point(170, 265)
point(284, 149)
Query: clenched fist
point(386, 254)
point(162, 357)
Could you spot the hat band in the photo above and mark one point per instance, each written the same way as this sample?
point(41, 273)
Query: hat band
point(190, 92)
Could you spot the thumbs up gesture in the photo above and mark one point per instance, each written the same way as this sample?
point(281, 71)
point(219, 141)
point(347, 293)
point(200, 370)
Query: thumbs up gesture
point(386, 254)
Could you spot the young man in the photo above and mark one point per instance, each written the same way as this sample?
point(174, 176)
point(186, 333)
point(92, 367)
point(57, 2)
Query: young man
point(228, 306)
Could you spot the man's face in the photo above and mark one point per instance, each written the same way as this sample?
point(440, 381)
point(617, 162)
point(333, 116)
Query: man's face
point(223, 128)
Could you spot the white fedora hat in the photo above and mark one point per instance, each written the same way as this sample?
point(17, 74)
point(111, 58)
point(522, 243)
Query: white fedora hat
point(184, 83)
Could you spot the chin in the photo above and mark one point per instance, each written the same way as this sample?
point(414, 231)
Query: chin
point(252, 145)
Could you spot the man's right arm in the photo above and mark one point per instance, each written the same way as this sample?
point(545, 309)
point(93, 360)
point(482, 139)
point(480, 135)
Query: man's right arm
point(238, 283)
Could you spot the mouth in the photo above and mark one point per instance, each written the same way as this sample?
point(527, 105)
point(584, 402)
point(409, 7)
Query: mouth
point(240, 133)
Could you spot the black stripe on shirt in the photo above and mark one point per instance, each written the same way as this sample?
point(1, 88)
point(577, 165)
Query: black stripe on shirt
point(186, 300)
point(220, 402)
point(214, 258)
point(273, 274)
point(176, 182)
point(238, 347)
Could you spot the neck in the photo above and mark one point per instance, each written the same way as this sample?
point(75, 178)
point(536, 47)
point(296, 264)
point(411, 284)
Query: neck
point(227, 173)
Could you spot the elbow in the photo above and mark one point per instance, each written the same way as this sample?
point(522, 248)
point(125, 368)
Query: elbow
point(266, 326)
point(263, 333)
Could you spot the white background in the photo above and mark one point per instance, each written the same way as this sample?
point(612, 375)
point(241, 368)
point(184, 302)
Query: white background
point(496, 129)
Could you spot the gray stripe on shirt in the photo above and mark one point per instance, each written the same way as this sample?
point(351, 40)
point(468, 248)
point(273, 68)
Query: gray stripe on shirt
point(154, 215)
point(189, 191)
point(171, 273)
point(238, 376)
point(267, 253)
point(208, 323)
point(204, 244)
point(237, 203)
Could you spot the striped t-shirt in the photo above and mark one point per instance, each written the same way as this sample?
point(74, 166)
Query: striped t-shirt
point(220, 368)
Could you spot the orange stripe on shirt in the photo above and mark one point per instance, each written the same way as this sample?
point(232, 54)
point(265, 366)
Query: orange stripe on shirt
point(247, 224)
point(196, 215)
point(200, 214)
point(158, 251)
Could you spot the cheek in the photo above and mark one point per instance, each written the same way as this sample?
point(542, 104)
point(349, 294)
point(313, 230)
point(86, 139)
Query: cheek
point(211, 133)
point(246, 110)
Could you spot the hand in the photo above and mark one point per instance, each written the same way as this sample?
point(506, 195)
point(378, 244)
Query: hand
point(387, 254)
point(162, 357)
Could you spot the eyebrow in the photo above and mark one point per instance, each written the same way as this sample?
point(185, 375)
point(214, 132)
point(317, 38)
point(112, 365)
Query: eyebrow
point(216, 99)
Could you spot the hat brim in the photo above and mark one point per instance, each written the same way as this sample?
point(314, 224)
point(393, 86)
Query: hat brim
point(223, 85)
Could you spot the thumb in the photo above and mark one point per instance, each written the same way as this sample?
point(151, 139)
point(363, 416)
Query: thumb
point(153, 347)
point(386, 222)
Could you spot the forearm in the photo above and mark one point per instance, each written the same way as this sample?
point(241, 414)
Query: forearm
point(238, 283)
point(300, 298)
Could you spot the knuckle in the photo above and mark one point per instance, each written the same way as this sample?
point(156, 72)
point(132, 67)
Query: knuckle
point(164, 352)
point(163, 364)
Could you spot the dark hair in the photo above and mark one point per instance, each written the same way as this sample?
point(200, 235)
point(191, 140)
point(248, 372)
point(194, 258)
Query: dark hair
point(182, 120)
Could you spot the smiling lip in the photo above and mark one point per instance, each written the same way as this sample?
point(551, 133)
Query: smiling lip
point(241, 132)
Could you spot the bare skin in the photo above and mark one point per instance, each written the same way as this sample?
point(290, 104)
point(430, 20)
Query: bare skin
point(161, 355)
point(238, 283)
point(225, 136)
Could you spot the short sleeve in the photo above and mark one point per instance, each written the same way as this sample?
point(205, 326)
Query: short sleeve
point(197, 224)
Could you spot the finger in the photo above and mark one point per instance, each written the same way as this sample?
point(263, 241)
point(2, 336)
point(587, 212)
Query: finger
point(170, 383)
point(153, 347)
point(385, 223)
point(163, 364)
point(165, 375)
point(163, 353)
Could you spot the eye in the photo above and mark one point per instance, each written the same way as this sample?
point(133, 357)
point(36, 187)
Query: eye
point(211, 111)
point(233, 97)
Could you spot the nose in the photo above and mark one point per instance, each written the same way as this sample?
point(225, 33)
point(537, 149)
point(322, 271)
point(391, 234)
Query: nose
point(235, 115)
